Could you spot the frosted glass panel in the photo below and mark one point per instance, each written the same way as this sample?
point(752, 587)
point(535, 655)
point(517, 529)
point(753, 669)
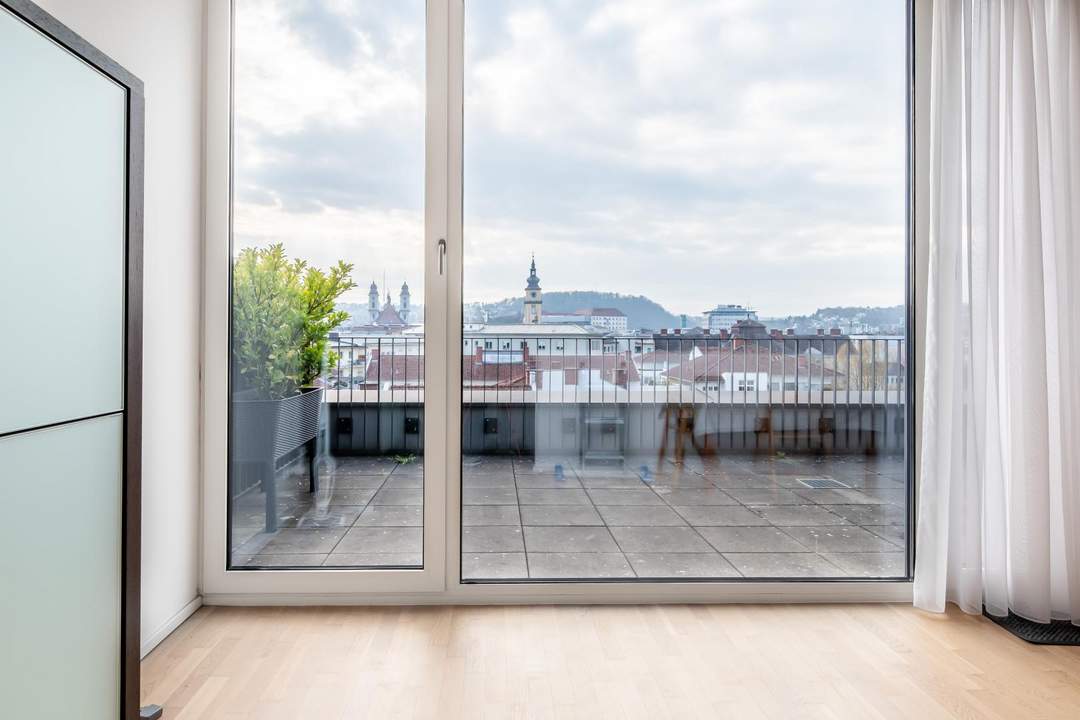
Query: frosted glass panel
point(60, 490)
point(62, 161)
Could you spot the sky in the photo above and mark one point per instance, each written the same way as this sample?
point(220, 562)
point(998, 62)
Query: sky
point(694, 151)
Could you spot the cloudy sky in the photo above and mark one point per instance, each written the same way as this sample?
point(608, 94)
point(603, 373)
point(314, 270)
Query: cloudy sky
point(694, 151)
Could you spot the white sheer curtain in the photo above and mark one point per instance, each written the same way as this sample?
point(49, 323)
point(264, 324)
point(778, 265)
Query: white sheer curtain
point(999, 506)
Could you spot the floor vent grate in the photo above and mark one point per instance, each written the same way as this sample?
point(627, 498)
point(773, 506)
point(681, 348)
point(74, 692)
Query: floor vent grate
point(823, 484)
point(1058, 632)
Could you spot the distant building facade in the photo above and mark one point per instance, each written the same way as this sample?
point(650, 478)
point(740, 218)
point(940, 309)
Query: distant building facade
point(723, 317)
point(611, 319)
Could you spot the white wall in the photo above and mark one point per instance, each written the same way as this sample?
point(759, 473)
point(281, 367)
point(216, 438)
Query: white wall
point(161, 42)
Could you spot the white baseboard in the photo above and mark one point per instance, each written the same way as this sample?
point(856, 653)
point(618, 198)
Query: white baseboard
point(155, 638)
point(742, 593)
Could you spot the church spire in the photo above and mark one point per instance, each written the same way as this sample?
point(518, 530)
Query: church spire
point(533, 308)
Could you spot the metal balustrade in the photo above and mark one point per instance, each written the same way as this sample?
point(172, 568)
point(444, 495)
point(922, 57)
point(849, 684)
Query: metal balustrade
point(797, 392)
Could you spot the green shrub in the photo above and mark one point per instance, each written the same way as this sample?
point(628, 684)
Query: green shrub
point(283, 312)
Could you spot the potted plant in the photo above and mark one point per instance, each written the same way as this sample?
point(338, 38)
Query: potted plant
point(283, 312)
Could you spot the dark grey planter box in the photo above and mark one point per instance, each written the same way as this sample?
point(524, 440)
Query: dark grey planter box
point(263, 431)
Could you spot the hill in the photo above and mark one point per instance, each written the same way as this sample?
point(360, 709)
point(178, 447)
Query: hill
point(641, 312)
point(855, 320)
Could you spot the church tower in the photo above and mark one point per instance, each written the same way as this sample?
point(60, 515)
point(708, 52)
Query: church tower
point(373, 302)
point(533, 297)
point(403, 309)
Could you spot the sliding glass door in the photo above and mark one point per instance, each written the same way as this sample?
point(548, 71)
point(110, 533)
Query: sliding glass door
point(627, 282)
point(684, 345)
point(328, 304)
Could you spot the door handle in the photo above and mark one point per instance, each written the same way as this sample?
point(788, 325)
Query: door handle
point(442, 253)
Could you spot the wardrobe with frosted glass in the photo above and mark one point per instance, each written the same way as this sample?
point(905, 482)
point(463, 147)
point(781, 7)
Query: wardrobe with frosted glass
point(70, 367)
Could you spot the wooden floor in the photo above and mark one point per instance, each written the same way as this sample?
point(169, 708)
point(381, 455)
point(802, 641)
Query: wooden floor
point(729, 661)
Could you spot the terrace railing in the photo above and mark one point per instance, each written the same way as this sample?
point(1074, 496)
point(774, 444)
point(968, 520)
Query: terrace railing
point(838, 391)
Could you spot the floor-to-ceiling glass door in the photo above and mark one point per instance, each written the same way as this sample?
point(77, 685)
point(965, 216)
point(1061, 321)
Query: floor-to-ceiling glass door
point(335, 282)
point(684, 343)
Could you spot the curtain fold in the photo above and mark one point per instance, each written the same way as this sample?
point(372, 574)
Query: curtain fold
point(999, 501)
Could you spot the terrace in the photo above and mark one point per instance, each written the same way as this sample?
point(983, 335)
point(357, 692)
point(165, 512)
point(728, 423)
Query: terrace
point(602, 458)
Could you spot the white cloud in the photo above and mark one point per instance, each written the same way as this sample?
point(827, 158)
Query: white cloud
point(695, 151)
point(283, 82)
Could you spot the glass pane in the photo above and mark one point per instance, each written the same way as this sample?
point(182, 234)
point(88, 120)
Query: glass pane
point(62, 176)
point(60, 608)
point(685, 249)
point(326, 466)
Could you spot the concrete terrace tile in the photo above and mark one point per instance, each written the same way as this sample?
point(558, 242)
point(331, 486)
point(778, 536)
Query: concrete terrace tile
point(794, 515)
point(651, 515)
point(404, 482)
point(685, 481)
point(488, 481)
point(491, 538)
point(731, 515)
point(695, 496)
point(494, 566)
point(896, 534)
point(324, 517)
point(360, 466)
point(545, 466)
point(568, 539)
point(842, 538)
point(369, 540)
point(490, 515)
point(585, 566)
point(360, 496)
point(883, 564)
point(398, 497)
point(838, 497)
point(870, 514)
point(743, 481)
point(490, 496)
point(392, 516)
point(750, 539)
point(659, 539)
point(783, 565)
point(642, 496)
point(787, 466)
point(350, 482)
point(390, 559)
point(488, 468)
point(559, 515)
point(627, 482)
point(291, 541)
point(756, 496)
point(546, 481)
point(895, 496)
point(242, 535)
point(535, 496)
point(681, 565)
point(279, 561)
point(877, 481)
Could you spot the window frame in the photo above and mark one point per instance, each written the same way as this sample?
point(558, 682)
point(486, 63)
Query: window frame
point(440, 580)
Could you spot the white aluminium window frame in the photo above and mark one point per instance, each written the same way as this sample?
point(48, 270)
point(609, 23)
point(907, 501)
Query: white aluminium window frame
point(217, 580)
point(439, 582)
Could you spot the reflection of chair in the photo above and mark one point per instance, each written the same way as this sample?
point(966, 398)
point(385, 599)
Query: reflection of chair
point(679, 417)
point(603, 434)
